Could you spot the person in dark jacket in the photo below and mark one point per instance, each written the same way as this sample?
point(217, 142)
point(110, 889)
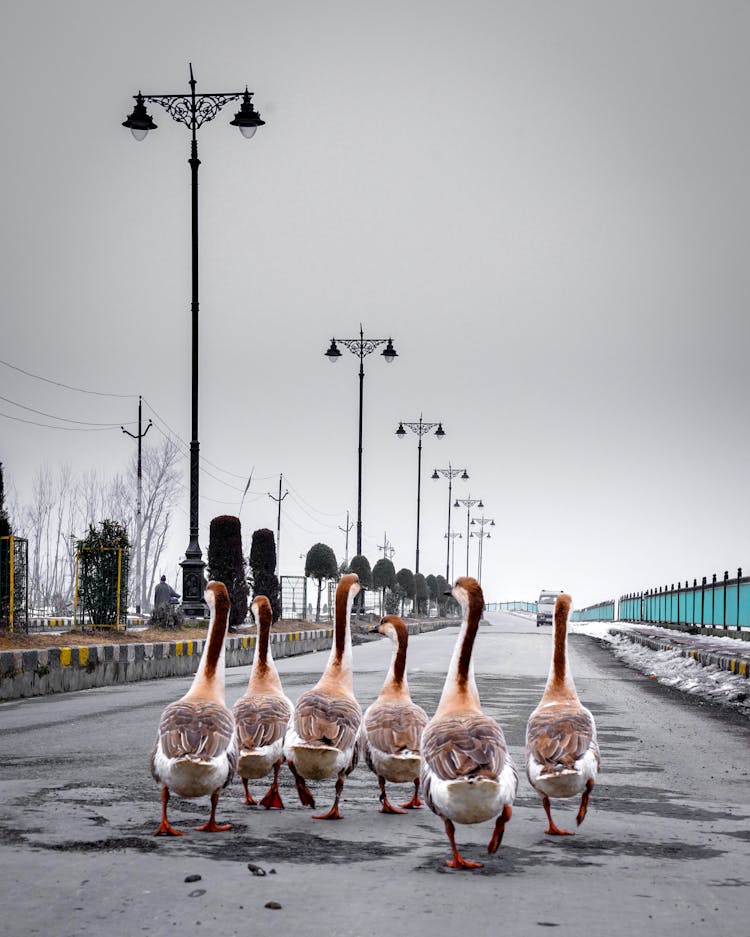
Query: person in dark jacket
point(164, 593)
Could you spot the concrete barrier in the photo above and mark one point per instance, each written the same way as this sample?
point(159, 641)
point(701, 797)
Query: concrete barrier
point(25, 673)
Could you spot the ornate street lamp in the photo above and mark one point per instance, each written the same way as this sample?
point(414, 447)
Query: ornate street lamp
point(421, 429)
point(361, 347)
point(449, 473)
point(481, 534)
point(193, 110)
point(469, 502)
point(452, 547)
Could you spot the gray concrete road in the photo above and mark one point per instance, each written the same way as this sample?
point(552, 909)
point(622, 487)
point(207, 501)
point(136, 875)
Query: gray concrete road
point(665, 849)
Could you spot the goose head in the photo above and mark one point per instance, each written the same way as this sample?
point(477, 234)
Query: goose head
point(349, 585)
point(468, 593)
point(217, 599)
point(390, 627)
point(261, 610)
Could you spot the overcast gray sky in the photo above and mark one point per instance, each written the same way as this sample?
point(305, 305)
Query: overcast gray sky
point(544, 204)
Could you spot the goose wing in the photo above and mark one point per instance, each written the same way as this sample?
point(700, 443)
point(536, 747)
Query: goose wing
point(261, 720)
point(468, 745)
point(558, 736)
point(327, 720)
point(395, 727)
point(199, 730)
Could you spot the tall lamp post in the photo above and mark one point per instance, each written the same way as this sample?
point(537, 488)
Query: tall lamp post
point(193, 110)
point(361, 347)
point(469, 502)
point(452, 547)
point(421, 429)
point(481, 534)
point(449, 473)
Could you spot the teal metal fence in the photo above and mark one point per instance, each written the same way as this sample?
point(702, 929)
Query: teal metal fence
point(602, 611)
point(720, 603)
point(512, 607)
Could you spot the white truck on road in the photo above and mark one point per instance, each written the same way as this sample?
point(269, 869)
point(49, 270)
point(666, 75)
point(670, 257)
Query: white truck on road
point(545, 606)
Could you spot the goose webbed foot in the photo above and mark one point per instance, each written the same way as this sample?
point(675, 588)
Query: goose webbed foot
point(581, 815)
point(249, 799)
point(415, 803)
point(212, 826)
point(553, 829)
point(303, 791)
point(333, 813)
point(497, 836)
point(165, 827)
point(458, 861)
point(272, 799)
point(387, 806)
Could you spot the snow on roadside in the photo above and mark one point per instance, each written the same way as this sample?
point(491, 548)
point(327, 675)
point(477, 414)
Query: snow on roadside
point(672, 669)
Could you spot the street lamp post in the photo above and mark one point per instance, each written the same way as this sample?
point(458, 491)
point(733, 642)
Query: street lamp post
point(193, 110)
point(449, 473)
point(469, 502)
point(421, 429)
point(481, 534)
point(361, 347)
point(452, 547)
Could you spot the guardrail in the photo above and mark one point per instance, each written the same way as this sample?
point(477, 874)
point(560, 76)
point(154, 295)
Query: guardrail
point(718, 604)
point(602, 611)
point(511, 607)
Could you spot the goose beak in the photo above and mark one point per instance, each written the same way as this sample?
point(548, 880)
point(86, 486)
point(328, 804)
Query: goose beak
point(375, 629)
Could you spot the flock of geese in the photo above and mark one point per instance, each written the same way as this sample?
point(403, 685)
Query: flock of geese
point(458, 761)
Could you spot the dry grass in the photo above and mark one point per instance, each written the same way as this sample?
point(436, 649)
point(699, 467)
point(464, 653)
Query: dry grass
point(22, 641)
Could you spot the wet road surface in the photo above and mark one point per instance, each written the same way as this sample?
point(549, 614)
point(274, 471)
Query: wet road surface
point(665, 848)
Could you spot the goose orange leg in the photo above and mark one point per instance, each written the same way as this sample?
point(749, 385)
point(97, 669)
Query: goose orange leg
point(249, 799)
point(165, 827)
point(212, 826)
point(581, 816)
point(415, 803)
point(273, 797)
point(497, 836)
point(552, 829)
point(458, 861)
point(387, 805)
point(333, 813)
point(305, 797)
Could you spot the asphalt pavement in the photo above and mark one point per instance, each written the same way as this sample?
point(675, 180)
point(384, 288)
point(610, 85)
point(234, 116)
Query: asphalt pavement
point(665, 848)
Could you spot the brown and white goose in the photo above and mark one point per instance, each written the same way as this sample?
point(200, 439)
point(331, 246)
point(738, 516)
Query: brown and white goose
point(467, 773)
point(195, 753)
point(392, 726)
point(263, 714)
point(324, 739)
point(562, 754)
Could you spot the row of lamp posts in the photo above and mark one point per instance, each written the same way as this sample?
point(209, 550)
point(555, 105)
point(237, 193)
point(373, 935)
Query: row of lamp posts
point(193, 110)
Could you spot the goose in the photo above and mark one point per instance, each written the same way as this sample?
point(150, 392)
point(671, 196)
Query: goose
point(324, 739)
point(562, 755)
point(262, 715)
point(195, 753)
point(392, 726)
point(467, 773)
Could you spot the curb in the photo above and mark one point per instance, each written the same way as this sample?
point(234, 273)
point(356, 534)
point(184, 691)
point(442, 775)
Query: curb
point(730, 662)
point(25, 673)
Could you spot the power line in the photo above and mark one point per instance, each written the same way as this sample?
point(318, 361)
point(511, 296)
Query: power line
point(80, 390)
point(65, 419)
point(69, 429)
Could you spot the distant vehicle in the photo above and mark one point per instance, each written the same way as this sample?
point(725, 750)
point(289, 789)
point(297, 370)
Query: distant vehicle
point(545, 606)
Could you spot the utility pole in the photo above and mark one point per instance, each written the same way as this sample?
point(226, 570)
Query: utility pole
point(279, 499)
point(138, 518)
point(346, 530)
point(387, 548)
